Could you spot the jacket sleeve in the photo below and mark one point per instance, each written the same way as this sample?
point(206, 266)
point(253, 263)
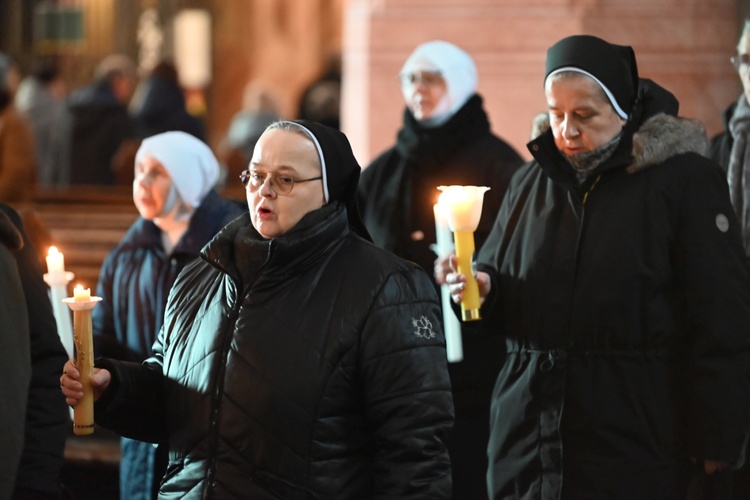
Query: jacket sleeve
point(713, 273)
point(133, 405)
point(46, 412)
point(15, 369)
point(407, 390)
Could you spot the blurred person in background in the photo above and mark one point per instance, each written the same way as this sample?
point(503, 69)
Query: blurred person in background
point(100, 136)
point(41, 99)
point(321, 99)
point(159, 105)
point(731, 149)
point(445, 139)
point(179, 213)
point(260, 108)
point(17, 157)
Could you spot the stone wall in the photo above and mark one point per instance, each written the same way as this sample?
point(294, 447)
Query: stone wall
point(684, 45)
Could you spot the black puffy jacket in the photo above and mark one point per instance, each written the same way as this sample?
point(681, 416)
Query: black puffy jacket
point(311, 365)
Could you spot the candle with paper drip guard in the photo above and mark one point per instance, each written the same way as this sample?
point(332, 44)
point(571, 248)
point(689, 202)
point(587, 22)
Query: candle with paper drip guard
point(57, 278)
point(82, 303)
point(443, 247)
point(463, 204)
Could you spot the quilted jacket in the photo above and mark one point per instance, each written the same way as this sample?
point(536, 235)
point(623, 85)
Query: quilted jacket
point(311, 365)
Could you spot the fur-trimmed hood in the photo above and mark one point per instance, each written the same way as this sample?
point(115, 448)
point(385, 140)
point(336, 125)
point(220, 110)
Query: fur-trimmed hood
point(660, 137)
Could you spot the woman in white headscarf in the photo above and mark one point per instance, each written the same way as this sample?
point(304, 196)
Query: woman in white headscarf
point(179, 213)
point(445, 139)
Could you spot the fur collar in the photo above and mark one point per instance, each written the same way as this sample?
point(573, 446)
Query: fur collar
point(659, 138)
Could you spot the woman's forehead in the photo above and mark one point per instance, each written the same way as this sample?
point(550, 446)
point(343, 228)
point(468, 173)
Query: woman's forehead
point(288, 149)
point(150, 161)
point(574, 84)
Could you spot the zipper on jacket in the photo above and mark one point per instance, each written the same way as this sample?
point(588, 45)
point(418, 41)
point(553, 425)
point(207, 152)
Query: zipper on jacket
point(226, 342)
point(553, 355)
point(591, 188)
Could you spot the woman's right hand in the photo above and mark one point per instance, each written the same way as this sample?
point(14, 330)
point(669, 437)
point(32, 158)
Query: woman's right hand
point(457, 282)
point(72, 387)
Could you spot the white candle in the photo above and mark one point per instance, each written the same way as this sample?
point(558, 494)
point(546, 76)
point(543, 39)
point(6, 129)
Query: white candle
point(55, 261)
point(443, 236)
point(443, 247)
point(81, 294)
point(58, 278)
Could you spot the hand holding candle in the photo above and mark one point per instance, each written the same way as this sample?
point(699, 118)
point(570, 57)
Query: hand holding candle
point(464, 208)
point(82, 303)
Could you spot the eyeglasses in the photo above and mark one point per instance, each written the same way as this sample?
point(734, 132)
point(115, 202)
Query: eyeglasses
point(281, 184)
point(740, 61)
point(428, 78)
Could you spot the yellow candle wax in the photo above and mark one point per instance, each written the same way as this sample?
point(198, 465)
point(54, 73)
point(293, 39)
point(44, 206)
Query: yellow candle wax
point(83, 412)
point(470, 301)
point(82, 303)
point(81, 294)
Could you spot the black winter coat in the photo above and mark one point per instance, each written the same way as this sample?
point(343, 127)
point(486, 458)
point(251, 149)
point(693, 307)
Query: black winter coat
point(14, 342)
point(397, 192)
point(311, 365)
point(625, 306)
point(46, 413)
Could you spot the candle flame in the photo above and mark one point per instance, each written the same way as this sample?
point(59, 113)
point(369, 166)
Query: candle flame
point(53, 251)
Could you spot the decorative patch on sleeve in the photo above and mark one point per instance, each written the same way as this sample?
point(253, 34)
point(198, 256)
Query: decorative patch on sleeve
point(423, 328)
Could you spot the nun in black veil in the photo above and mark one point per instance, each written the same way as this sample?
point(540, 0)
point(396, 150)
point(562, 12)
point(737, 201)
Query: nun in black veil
point(297, 359)
point(616, 275)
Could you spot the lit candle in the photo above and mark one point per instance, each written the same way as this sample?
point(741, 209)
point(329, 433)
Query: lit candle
point(81, 294)
point(55, 261)
point(464, 209)
point(58, 278)
point(82, 303)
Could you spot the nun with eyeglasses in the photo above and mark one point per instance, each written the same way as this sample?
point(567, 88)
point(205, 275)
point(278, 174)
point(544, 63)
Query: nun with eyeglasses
point(297, 359)
point(616, 275)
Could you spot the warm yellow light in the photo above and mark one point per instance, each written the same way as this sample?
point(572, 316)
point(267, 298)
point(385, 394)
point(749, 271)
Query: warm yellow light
point(81, 294)
point(463, 206)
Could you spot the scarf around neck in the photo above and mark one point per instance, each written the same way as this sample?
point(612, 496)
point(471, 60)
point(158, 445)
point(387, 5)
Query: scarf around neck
point(739, 164)
point(585, 163)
